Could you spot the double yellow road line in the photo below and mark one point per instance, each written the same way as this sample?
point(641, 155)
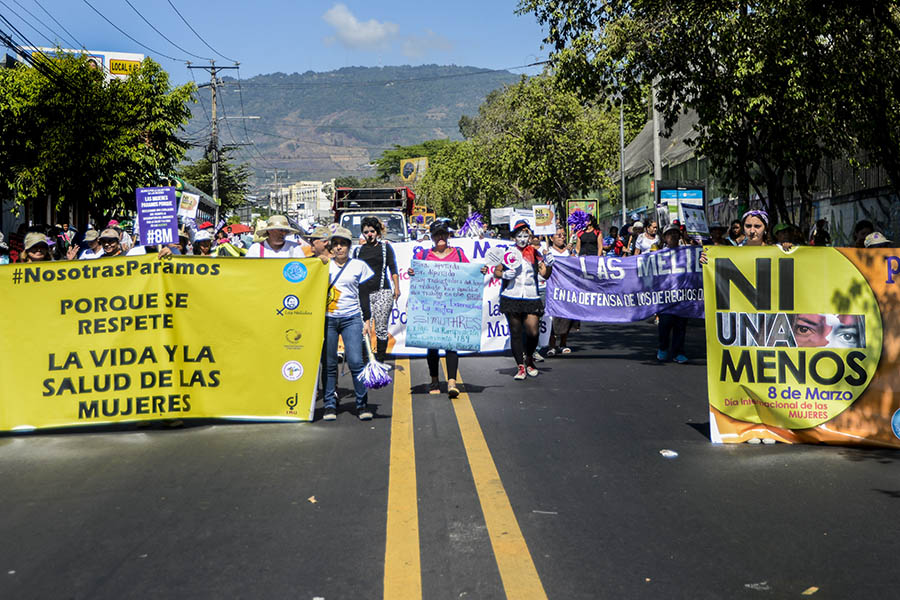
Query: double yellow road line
point(402, 569)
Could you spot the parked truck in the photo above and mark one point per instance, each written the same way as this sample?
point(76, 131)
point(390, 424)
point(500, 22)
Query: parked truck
point(393, 206)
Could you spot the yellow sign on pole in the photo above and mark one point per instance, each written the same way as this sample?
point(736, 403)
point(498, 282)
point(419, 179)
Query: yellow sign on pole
point(139, 338)
point(413, 169)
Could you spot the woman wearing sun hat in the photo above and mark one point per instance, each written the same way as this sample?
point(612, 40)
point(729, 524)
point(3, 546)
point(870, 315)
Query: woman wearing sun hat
point(343, 319)
point(275, 245)
point(37, 248)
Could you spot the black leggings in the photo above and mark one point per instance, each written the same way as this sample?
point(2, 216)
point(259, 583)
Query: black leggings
point(520, 324)
point(434, 361)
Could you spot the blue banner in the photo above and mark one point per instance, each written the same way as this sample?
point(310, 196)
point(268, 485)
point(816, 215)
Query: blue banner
point(444, 305)
point(631, 288)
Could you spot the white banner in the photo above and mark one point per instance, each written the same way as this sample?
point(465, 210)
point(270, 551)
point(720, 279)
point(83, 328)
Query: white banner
point(494, 329)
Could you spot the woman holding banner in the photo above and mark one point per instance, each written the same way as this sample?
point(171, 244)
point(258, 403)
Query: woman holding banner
point(560, 326)
point(442, 251)
point(520, 297)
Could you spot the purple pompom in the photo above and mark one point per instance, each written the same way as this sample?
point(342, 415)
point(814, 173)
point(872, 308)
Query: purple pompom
point(578, 220)
point(375, 375)
point(472, 226)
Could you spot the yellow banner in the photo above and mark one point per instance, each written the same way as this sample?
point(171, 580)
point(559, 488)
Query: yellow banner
point(134, 339)
point(803, 346)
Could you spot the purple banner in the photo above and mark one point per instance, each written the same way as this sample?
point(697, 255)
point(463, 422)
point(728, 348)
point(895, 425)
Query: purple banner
point(157, 211)
point(630, 288)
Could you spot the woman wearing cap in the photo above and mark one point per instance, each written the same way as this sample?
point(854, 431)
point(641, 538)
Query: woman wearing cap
point(275, 244)
point(343, 319)
point(203, 244)
point(520, 297)
point(37, 248)
point(442, 251)
point(110, 243)
point(378, 295)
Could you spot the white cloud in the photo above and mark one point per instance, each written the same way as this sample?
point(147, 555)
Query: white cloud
point(417, 46)
point(353, 33)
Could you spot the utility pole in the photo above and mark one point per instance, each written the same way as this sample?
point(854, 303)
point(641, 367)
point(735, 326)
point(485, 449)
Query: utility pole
point(622, 156)
point(277, 193)
point(214, 83)
point(657, 160)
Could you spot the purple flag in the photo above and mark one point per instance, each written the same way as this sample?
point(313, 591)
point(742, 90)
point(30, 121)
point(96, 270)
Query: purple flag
point(616, 289)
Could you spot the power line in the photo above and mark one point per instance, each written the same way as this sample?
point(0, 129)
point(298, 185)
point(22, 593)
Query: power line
point(243, 114)
point(197, 34)
point(119, 29)
point(33, 28)
point(60, 24)
point(48, 69)
point(162, 34)
point(33, 16)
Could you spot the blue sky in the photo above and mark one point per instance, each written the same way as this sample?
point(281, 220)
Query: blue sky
point(276, 35)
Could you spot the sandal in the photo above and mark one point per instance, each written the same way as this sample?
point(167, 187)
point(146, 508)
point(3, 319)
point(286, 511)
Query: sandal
point(566, 351)
point(434, 388)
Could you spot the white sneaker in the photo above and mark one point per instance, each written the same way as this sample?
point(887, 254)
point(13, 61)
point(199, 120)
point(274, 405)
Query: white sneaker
point(532, 372)
point(520, 374)
point(537, 356)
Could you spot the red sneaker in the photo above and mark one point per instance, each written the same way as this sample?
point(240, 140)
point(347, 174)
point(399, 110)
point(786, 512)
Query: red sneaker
point(521, 373)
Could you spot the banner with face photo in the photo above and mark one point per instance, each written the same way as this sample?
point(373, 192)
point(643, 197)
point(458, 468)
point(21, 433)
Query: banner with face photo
point(803, 347)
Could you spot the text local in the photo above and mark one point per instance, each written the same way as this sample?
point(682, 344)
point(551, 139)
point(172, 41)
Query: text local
point(123, 323)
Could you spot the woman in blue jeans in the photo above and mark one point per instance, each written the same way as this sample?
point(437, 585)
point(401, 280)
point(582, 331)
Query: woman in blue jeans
point(343, 318)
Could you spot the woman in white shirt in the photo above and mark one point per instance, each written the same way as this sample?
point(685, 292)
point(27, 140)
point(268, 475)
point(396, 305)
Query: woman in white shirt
point(648, 241)
point(520, 297)
point(560, 326)
point(343, 319)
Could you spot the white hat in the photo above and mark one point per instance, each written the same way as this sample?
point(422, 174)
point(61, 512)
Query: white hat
point(203, 236)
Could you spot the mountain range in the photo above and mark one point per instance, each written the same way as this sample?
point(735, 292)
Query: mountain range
point(322, 125)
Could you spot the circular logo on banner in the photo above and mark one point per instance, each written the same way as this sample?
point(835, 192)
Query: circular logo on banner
point(294, 272)
point(292, 370)
point(793, 339)
point(291, 302)
point(512, 259)
point(895, 423)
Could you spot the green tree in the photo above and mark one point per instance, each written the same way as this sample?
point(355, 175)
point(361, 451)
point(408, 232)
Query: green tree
point(81, 139)
point(233, 178)
point(778, 85)
point(389, 163)
point(530, 140)
point(347, 181)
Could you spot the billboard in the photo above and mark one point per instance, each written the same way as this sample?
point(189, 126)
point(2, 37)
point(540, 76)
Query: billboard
point(118, 65)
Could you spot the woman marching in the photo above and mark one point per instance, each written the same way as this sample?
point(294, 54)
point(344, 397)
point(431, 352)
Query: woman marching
point(520, 298)
point(560, 326)
point(442, 251)
point(378, 295)
point(589, 241)
point(343, 319)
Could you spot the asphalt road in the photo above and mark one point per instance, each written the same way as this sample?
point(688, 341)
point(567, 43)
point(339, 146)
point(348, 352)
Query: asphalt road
point(581, 505)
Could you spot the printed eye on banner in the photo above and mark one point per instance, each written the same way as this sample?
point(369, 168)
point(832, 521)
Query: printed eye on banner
point(794, 339)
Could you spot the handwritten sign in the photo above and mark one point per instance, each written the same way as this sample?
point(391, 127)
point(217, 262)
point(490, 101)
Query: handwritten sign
point(444, 306)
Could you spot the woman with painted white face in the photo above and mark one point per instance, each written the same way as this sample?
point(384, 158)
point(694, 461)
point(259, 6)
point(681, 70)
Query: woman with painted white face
point(520, 297)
